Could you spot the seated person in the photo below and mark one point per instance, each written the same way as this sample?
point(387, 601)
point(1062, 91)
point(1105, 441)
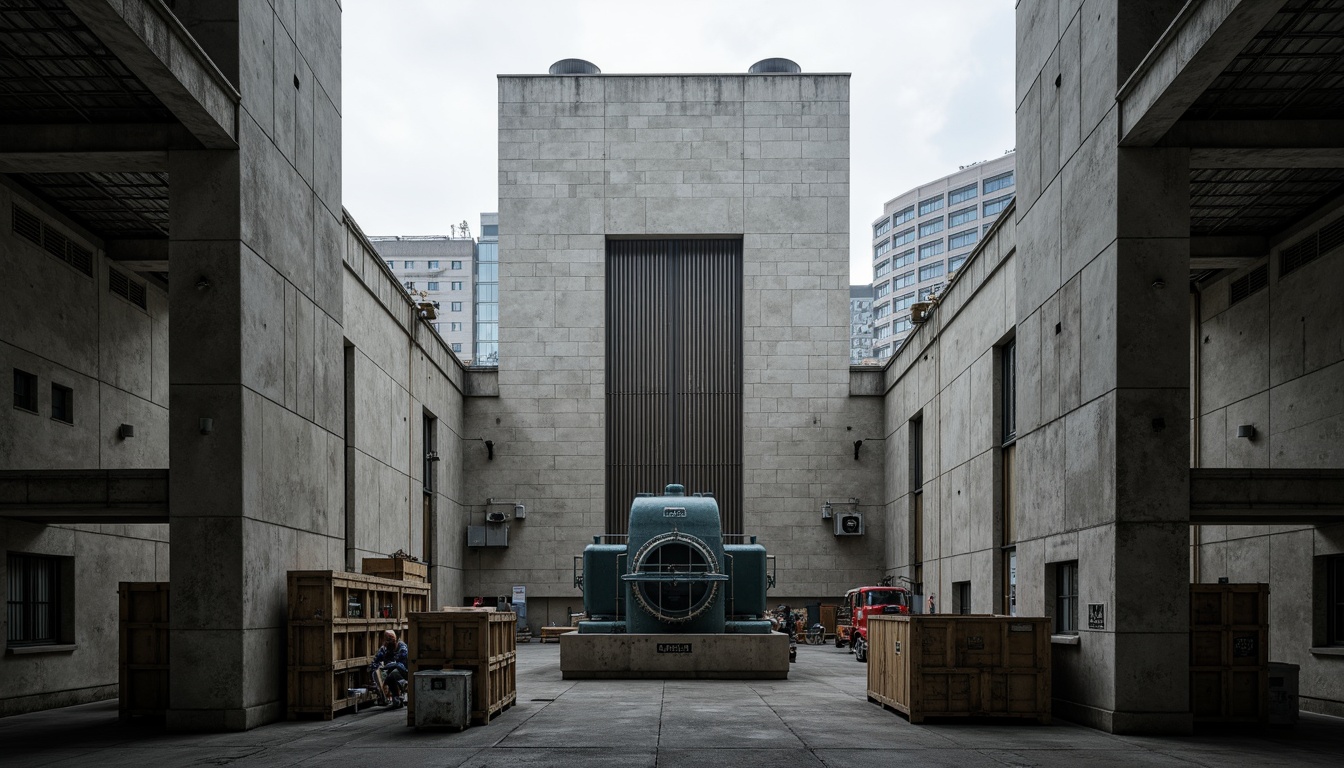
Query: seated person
point(388, 671)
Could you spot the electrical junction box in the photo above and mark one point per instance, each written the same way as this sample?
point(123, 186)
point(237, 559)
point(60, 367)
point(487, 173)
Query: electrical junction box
point(443, 698)
point(489, 535)
point(849, 523)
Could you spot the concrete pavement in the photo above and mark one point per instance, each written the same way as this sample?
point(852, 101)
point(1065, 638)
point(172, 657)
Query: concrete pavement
point(818, 717)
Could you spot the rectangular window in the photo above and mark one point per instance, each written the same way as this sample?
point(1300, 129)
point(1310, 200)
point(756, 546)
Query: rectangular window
point(1001, 181)
point(882, 311)
point(881, 228)
point(931, 249)
point(930, 205)
point(454, 326)
point(1334, 600)
point(410, 285)
point(904, 302)
point(34, 605)
point(993, 207)
point(391, 264)
point(881, 248)
point(1010, 582)
point(882, 290)
point(62, 404)
point(904, 280)
point(456, 265)
point(457, 347)
point(1008, 392)
point(901, 326)
point(931, 271)
point(408, 264)
point(433, 264)
point(881, 353)
point(957, 218)
point(961, 597)
point(1010, 494)
point(903, 237)
point(954, 263)
point(962, 239)
point(961, 195)
point(1066, 598)
point(902, 216)
point(489, 230)
point(882, 268)
point(457, 285)
point(433, 286)
point(927, 291)
point(456, 306)
point(931, 227)
point(25, 390)
point(903, 259)
point(884, 332)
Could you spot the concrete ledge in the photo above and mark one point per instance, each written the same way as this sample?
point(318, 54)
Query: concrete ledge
point(54, 699)
point(698, 657)
point(1111, 721)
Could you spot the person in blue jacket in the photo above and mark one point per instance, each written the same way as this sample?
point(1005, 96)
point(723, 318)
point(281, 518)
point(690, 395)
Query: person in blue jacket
point(388, 671)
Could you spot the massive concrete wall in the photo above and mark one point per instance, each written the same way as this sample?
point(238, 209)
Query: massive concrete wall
point(67, 328)
point(257, 238)
point(1275, 361)
point(583, 158)
point(946, 375)
point(397, 372)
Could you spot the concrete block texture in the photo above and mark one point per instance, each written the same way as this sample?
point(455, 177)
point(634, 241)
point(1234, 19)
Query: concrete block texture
point(756, 157)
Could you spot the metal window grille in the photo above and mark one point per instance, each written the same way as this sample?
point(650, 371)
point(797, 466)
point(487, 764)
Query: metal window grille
point(128, 289)
point(1066, 601)
point(34, 600)
point(1249, 283)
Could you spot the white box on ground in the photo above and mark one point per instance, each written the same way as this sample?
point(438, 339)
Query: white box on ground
point(443, 698)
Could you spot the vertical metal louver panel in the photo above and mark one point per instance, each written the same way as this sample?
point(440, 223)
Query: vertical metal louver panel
point(27, 225)
point(674, 372)
point(1248, 284)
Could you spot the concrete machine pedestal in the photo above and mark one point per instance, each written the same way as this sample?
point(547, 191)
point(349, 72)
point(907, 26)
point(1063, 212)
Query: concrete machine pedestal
point(674, 656)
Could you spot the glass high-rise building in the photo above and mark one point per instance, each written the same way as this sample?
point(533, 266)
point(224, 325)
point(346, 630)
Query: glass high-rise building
point(925, 235)
point(487, 292)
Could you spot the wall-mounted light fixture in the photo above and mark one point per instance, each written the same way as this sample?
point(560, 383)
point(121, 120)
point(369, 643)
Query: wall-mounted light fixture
point(489, 448)
point(1247, 431)
point(432, 456)
point(125, 431)
point(519, 511)
point(207, 426)
point(857, 445)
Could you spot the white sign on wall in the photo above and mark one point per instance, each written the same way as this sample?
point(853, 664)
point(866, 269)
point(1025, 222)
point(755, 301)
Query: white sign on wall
point(520, 594)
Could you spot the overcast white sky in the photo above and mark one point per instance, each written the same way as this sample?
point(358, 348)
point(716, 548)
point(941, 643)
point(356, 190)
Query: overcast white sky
point(932, 87)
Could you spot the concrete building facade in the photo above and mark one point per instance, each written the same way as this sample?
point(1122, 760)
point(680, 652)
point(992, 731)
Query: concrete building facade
point(437, 269)
point(925, 235)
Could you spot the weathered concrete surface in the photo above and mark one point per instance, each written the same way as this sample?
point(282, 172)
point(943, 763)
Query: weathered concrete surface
point(818, 717)
point(700, 657)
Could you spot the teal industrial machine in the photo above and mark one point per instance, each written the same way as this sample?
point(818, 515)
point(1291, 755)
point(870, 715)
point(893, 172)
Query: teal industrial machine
point(674, 573)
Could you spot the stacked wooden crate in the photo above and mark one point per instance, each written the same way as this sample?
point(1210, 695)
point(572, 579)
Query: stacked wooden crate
point(336, 621)
point(476, 639)
point(1229, 653)
point(142, 641)
point(960, 666)
point(395, 568)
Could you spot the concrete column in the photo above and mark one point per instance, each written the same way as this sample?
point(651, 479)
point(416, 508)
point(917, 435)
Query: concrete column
point(1103, 382)
point(257, 473)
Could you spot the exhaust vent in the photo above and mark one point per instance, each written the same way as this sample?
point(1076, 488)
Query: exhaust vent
point(1311, 247)
point(1249, 283)
point(574, 67)
point(775, 66)
point(30, 227)
point(126, 288)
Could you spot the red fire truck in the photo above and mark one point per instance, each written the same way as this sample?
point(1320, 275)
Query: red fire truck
point(859, 604)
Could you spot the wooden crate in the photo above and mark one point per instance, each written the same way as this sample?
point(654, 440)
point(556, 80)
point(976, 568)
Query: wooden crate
point(1229, 653)
point(336, 621)
point(481, 641)
point(828, 619)
point(960, 666)
point(395, 568)
point(142, 645)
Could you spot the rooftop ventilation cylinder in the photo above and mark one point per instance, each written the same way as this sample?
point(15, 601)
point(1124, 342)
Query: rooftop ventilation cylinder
point(574, 67)
point(766, 66)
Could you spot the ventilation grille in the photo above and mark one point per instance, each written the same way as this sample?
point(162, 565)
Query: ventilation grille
point(1249, 283)
point(28, 226)
point(126, 288)
point(1311, 247)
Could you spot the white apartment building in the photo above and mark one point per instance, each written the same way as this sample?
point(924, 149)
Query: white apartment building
point(925, 235)
point(438, 269)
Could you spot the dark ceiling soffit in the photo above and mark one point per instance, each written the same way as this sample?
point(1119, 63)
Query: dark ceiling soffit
point(170, 63)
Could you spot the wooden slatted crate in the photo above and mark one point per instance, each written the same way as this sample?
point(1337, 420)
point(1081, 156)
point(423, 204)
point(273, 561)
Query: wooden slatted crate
point(395, 568)
point(142, 644)
point(960, 666)
point(1229, 653)
point(480, 640)
point(336, 620)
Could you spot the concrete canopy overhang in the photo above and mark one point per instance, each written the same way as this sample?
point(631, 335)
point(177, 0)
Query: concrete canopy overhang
point(85, 496)
point(1266, 496)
